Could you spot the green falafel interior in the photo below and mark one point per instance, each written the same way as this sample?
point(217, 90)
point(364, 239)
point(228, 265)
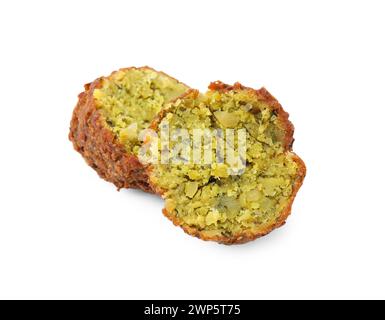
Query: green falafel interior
point(130, 98)
point(209, 200)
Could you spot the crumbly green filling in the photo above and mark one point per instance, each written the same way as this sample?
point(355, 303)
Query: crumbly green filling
point(130, 99)
point(206, 196)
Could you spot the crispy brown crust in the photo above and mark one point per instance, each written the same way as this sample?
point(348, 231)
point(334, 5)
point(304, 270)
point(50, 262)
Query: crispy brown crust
point(244, 237)
point(100, 147)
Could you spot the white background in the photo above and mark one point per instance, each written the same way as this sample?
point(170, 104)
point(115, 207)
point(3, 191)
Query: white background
point(65, 233)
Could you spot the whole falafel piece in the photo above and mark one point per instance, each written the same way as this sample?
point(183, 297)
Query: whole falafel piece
point(109, 116)
point(217, 200)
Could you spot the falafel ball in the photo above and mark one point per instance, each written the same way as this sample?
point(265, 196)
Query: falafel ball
point(110, 114)
point(219, 201)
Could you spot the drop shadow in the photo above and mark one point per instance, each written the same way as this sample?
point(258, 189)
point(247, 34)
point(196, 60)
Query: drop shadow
point(274, 238)
point(146, 197)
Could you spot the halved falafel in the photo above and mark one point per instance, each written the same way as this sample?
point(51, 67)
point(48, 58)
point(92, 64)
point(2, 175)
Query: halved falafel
point(212, 200)
point(110, 114)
